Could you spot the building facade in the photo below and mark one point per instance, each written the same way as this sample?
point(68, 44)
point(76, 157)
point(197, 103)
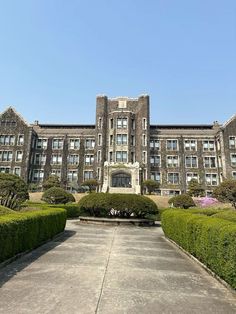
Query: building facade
point(120, 150)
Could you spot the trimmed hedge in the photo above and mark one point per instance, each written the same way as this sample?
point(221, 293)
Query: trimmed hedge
point(211, 240)
point(57, 195)
point(25, 231)
point(5, 210)
point(117, 205)
point(182, 201)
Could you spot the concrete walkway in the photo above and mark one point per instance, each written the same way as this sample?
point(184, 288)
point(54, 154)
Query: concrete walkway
point(110, 269)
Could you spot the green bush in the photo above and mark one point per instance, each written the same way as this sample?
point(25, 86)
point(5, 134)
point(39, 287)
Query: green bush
point(5, 211)
point(227, 215)
point(72, 210)
point(182, 201)
point(212, 240)
point(117, 205)
point(24, 231)
point(57, 195)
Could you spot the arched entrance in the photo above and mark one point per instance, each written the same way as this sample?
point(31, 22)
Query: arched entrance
point(121, 179)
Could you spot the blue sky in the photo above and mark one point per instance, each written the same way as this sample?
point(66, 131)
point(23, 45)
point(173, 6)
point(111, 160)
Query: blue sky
point(57, 55)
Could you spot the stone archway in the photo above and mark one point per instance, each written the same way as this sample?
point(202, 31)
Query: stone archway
point(121, 179)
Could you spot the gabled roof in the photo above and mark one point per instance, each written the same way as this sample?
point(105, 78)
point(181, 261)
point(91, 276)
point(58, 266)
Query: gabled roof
point(229, 121)
point(11, 109)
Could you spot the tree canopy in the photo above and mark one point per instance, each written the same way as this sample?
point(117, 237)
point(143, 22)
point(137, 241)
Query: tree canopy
point(13, 190)
point(226, 192)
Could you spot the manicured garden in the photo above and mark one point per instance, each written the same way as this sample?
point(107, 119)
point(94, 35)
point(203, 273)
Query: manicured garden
point(209, 235)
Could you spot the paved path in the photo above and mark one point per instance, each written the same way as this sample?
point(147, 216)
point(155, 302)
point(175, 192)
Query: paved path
point(108, 269)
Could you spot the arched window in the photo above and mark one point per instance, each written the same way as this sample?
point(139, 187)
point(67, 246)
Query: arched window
point(121, 179)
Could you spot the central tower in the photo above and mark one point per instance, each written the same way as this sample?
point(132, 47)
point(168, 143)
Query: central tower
point(122, 143)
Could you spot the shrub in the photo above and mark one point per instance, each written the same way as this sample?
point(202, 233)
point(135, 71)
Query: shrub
point(13, 190)
point(20, 232)
point(56, 195)
point(226, 192)
point(52, 181)
point(5, 210)
point(195, 188)
point(211, 240)
point(91, 184)
point(227, 215)
point(151, 185)
point(72, 210)
point(117, 205)
point(182, 201)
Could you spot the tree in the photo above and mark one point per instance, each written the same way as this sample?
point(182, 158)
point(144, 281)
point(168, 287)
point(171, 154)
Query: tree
point(151, 185)
point(195, 188)
point(182, 201)
point(226, 192)
point(91, 184)
point(13, 190)
point(57, 195)
point(52, 181)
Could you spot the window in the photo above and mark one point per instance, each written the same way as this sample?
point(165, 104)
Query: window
point(121, 179)
point(155, 144)
point(99, 139)
point(20, 140)
point(56, 172)
point(99, 123)
point(144, 140)
point(173, 178)
point(121, 123)
point(40, 159)
point(110, 156)
point(89, 143)
point(89, 159)
point(42, 143)
point(190, 176)
point(121, 156)
point(191, 161)
point(6, 155)
point(209, 162)
point(172, 161)
point(7, 140)
point(111, 123)
point(38, 175)
point(190, 145)
point(234, 175)
point(19, 155)
point(72, 176)
point(121, 139)
point(132, 140)
point(98, 155)
point(73, 159)
point(211, 179)
point(74, 143)
point(17, 171)
point(233, 160)
point(156, 176)
point(56, 159)
point(5, 169)
point(133, 124)
point(57, 143)
point(132, 157)
point(144, 157)
point(99, 173)
point(144, 123)
point(155, 161)
point(208, 146)
point(88, 174)
point(232, 142)
point(172, 144)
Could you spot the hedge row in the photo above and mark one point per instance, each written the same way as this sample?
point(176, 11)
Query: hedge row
point(24, 231)
point(117, 205)
point(211, 240)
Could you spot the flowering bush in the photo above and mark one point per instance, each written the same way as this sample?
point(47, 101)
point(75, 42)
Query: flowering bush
point(206, 201)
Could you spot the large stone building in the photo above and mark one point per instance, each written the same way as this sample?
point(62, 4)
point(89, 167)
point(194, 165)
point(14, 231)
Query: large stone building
point(120, 150)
